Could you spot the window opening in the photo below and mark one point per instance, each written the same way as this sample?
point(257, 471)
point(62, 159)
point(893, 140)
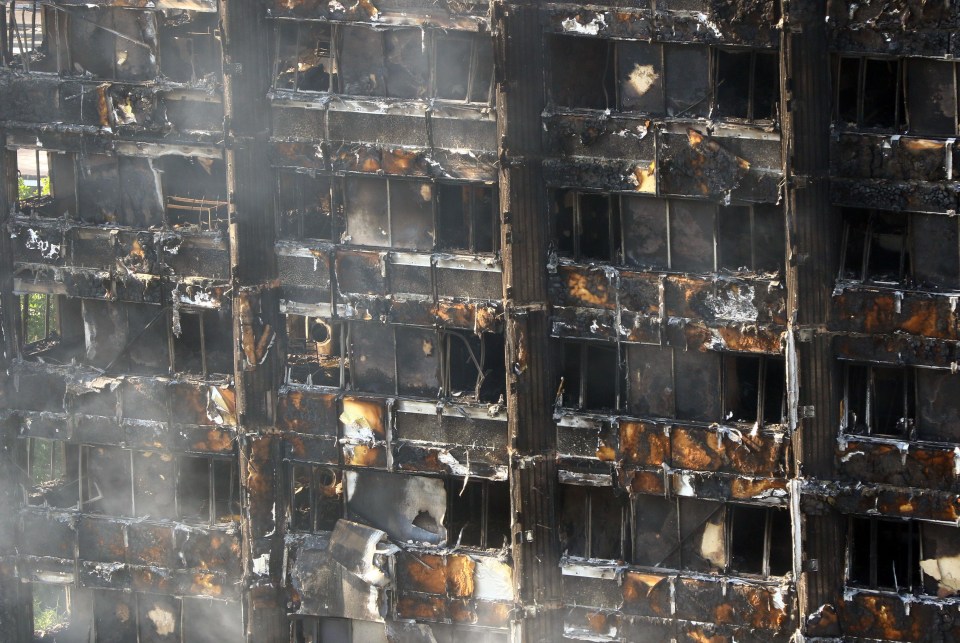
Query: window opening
point(304, 206)
point(468, 218)
point(316, 497)
point(106, 480)
point(753, 388)
point(51, 609)
point(760, 540)
point(304, 58)
point(583, 73)
point(879, 400)
point(590, 376)
point(207, 490)
point(594, 523)
point(315, 351)
point(457, 53)
point(869, 92)
point(587, 225)
point(747, 84)
point(478, 514)
point(876, 247)
point(884, 554)
point(473, 366)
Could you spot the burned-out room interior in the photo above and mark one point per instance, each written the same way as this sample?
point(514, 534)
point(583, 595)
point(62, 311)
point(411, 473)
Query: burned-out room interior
point(420, 321)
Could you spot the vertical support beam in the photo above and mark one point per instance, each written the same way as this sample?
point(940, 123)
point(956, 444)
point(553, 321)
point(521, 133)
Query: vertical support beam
point(246, 74)
point(812, 251)
point(16, 607)
point(533, 471)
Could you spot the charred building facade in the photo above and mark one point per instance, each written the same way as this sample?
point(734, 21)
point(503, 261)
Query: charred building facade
point(441, 320)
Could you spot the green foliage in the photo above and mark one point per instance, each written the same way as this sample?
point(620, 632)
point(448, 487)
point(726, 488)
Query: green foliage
point(25, 191)
point(49, 608)
point(37, 316)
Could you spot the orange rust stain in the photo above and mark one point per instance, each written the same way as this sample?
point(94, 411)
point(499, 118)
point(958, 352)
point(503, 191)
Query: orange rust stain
point(647, 482)
point(426, 572)
point(598, 622)
point(650, 589)
point(428, 608)
point(103, 110)
point(745, 488)
point(724, 613)
point(399, 161)
point(586, 290)
point(486, 318)
point(206, 584)
point(462, 612)
point(642, 443)
point(369, 413)
point(361, 455)
point(646, 177)
point(460, 571)
point(217, 441)
point(606, 453)
point(695, 449)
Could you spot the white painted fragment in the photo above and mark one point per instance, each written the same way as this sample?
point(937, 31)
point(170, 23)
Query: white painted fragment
point(592, 28)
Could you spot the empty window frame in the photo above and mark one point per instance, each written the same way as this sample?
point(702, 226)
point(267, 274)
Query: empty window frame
point(933, 93)
point(190, 50)
point(937, 417)
point(746, 84)
point(26, 29)
point(39, 318)
point(478, 514)
point(194, 190)
point(698, 236)
point(389, 213)
point(884, 554)
point(52, 608)
point(304, 206)
point(587, 225)
point(407, 360)
point(399, 63)
point(208, 489)
point(304, 59)
point(468, 217)
point(106, 480)
point(590, 376)
point(473, 366)
point(879, 400)
point(52, 472)
point(204, 344)
point(316, 498)
point(709, 536)
point(595, 523)
point(669, 383)
point(876, 246)
point(583, 73)
point(315, 349)
point(110, 43)
point(868, 92)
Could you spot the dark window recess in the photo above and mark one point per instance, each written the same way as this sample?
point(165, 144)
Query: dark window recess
point(884, 554)
point(879, 400)
point(106, 481)
point(708, 536)
point(751, 237)
point(464, 67)
point(307, 629)
point(207, 490)
point(594, 523)
point(938, 265)
point(468, 218)
point(52, 472)
point(938, 415)
point(194, 191)
point(303, 58)
point(316, 501)
point(590, 376)
point(876, 246)
point(688, 88)
point(932, 94)
point(395, 213)
point(473, 366)
point(640, 76)
point(583, 73)
point(478, 514)
point(304, 206)
point(760, 540)
point(753, 389)
point(50, 328)
point(869, 92)
point(314, 351)
point(747, 84)
point(587, 225)
point(190, 50)
point(203, 345)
